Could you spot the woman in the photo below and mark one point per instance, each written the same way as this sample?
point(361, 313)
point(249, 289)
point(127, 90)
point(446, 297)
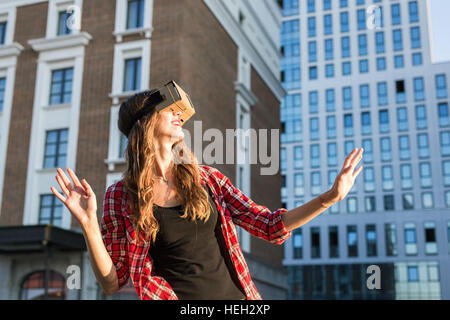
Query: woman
point(170, 225)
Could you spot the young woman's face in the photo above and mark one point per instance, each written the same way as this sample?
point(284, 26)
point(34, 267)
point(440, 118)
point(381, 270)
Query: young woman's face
point(169, 125)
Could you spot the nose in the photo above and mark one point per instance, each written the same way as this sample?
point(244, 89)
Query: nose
point(177, 113)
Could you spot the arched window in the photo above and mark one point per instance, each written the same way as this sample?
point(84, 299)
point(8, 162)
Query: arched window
point(33, 286)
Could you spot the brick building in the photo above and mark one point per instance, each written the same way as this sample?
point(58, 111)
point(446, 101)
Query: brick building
point(65, 67)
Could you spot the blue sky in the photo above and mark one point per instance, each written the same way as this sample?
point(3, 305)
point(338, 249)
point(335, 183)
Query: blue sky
point(440, 29)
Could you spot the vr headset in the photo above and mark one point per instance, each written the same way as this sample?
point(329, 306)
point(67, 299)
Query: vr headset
point(169, 98)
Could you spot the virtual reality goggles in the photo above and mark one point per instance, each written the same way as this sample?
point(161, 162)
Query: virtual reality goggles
point(169, 98)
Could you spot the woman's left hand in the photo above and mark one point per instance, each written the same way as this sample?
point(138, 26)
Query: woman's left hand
point(346, 178)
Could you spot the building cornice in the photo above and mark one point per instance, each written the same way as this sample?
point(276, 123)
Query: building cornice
point(245, 93)
point(60, 42)
point(13, 49)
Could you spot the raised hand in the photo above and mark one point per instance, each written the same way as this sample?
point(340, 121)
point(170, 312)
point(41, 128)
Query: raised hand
point(80, 199)
point(346, 178)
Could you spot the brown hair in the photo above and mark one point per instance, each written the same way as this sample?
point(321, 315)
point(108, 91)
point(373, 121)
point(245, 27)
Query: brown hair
point(141, 163)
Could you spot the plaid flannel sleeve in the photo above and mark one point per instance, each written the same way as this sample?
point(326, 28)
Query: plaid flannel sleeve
point(256, 219)
point(113, 233)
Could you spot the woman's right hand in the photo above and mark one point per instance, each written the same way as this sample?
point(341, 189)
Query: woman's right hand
point(81, 200)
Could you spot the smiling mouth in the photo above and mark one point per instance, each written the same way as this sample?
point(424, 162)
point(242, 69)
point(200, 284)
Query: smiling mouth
point(177, 123)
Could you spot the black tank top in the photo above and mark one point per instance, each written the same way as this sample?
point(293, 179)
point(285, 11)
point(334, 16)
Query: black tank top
point(192, 256)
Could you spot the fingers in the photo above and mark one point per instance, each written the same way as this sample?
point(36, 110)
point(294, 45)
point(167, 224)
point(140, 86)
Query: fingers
point(353, 159)
point(58, 195)
point(74, 178)
point(62, 185)
point(349, 157)
point(355, 174)
point(87, 188)
point(64, 178)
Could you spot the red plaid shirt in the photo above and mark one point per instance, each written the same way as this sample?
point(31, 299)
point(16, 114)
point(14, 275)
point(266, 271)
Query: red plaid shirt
point(132, 259)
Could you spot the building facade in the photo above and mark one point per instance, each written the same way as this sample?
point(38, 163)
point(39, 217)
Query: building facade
point(65, 67)
point(359, 73)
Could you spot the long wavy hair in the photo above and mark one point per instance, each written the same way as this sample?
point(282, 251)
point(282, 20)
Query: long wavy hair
point(138, 179)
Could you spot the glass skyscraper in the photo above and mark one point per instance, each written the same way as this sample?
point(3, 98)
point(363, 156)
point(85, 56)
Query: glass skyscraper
point(359, 73)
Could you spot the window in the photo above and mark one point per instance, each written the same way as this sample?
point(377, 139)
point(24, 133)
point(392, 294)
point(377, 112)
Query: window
point(370, 203)
point(314, 128)
point(441, 86)
point(50, 210)
point(408, 201)
point(135, 14)
point(446, 172)
point(343, 3)
point(312, 51)
point(311, 6)
point(384, 121)
point(347, 97)
point(388, 178)
point(368, 150)
point(3, 26)
point(369, 179)
point(421, 117)
point(312, 73)
point(425, 174)
point(402, 119)
point(346, 68)
point(298, 243)
point(447, 204)
point(61, 87)
point(332, 174)
point(385, 146)
point(56, 148)
point(344, 22)
point(400, 91)
point(395, 14)
point(313, 102)
point(417, 59)
point(427, 200)
point(371, 240)
point(315, 183)
point(364, 94)
point(329, 70)
point(361, 19)
point(327, 24)
point(333, 238)
point(329, 49)
point(299, 185)
point(422, 145)
point(363, 66)
point(315, 155)
point(379, 42)
point(345, 47)
point(388, 200)
point(413, 274)
point(365, 123)
point(348, 125)
point(415, 37)
point(381, 64)
point(349, 146)
point(298, 157)
point(362, 45)
point(315, 242)
point(311, 27)
point(122, 146)
point(352, 205)
point(2, 92)
point(419, 90)
point(404, 149)
point(326, 4)
point(331, 127)
point(410, 238)
point(398, 40)
point(430, 238)
point(283, 159)
point(33, 287)
point(290, 27)
point(330, 98)
point(290, 7)
point(413, 12)
point(444, 119)
point(132, 75)
point(63, 17)
point(391, 239)
point(406, 176)
point(352, 241)
point(382, 93)
point(332, 154)
point(399, 62)
point(444, 139)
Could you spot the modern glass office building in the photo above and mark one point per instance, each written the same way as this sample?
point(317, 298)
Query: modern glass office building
point(360, 74)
